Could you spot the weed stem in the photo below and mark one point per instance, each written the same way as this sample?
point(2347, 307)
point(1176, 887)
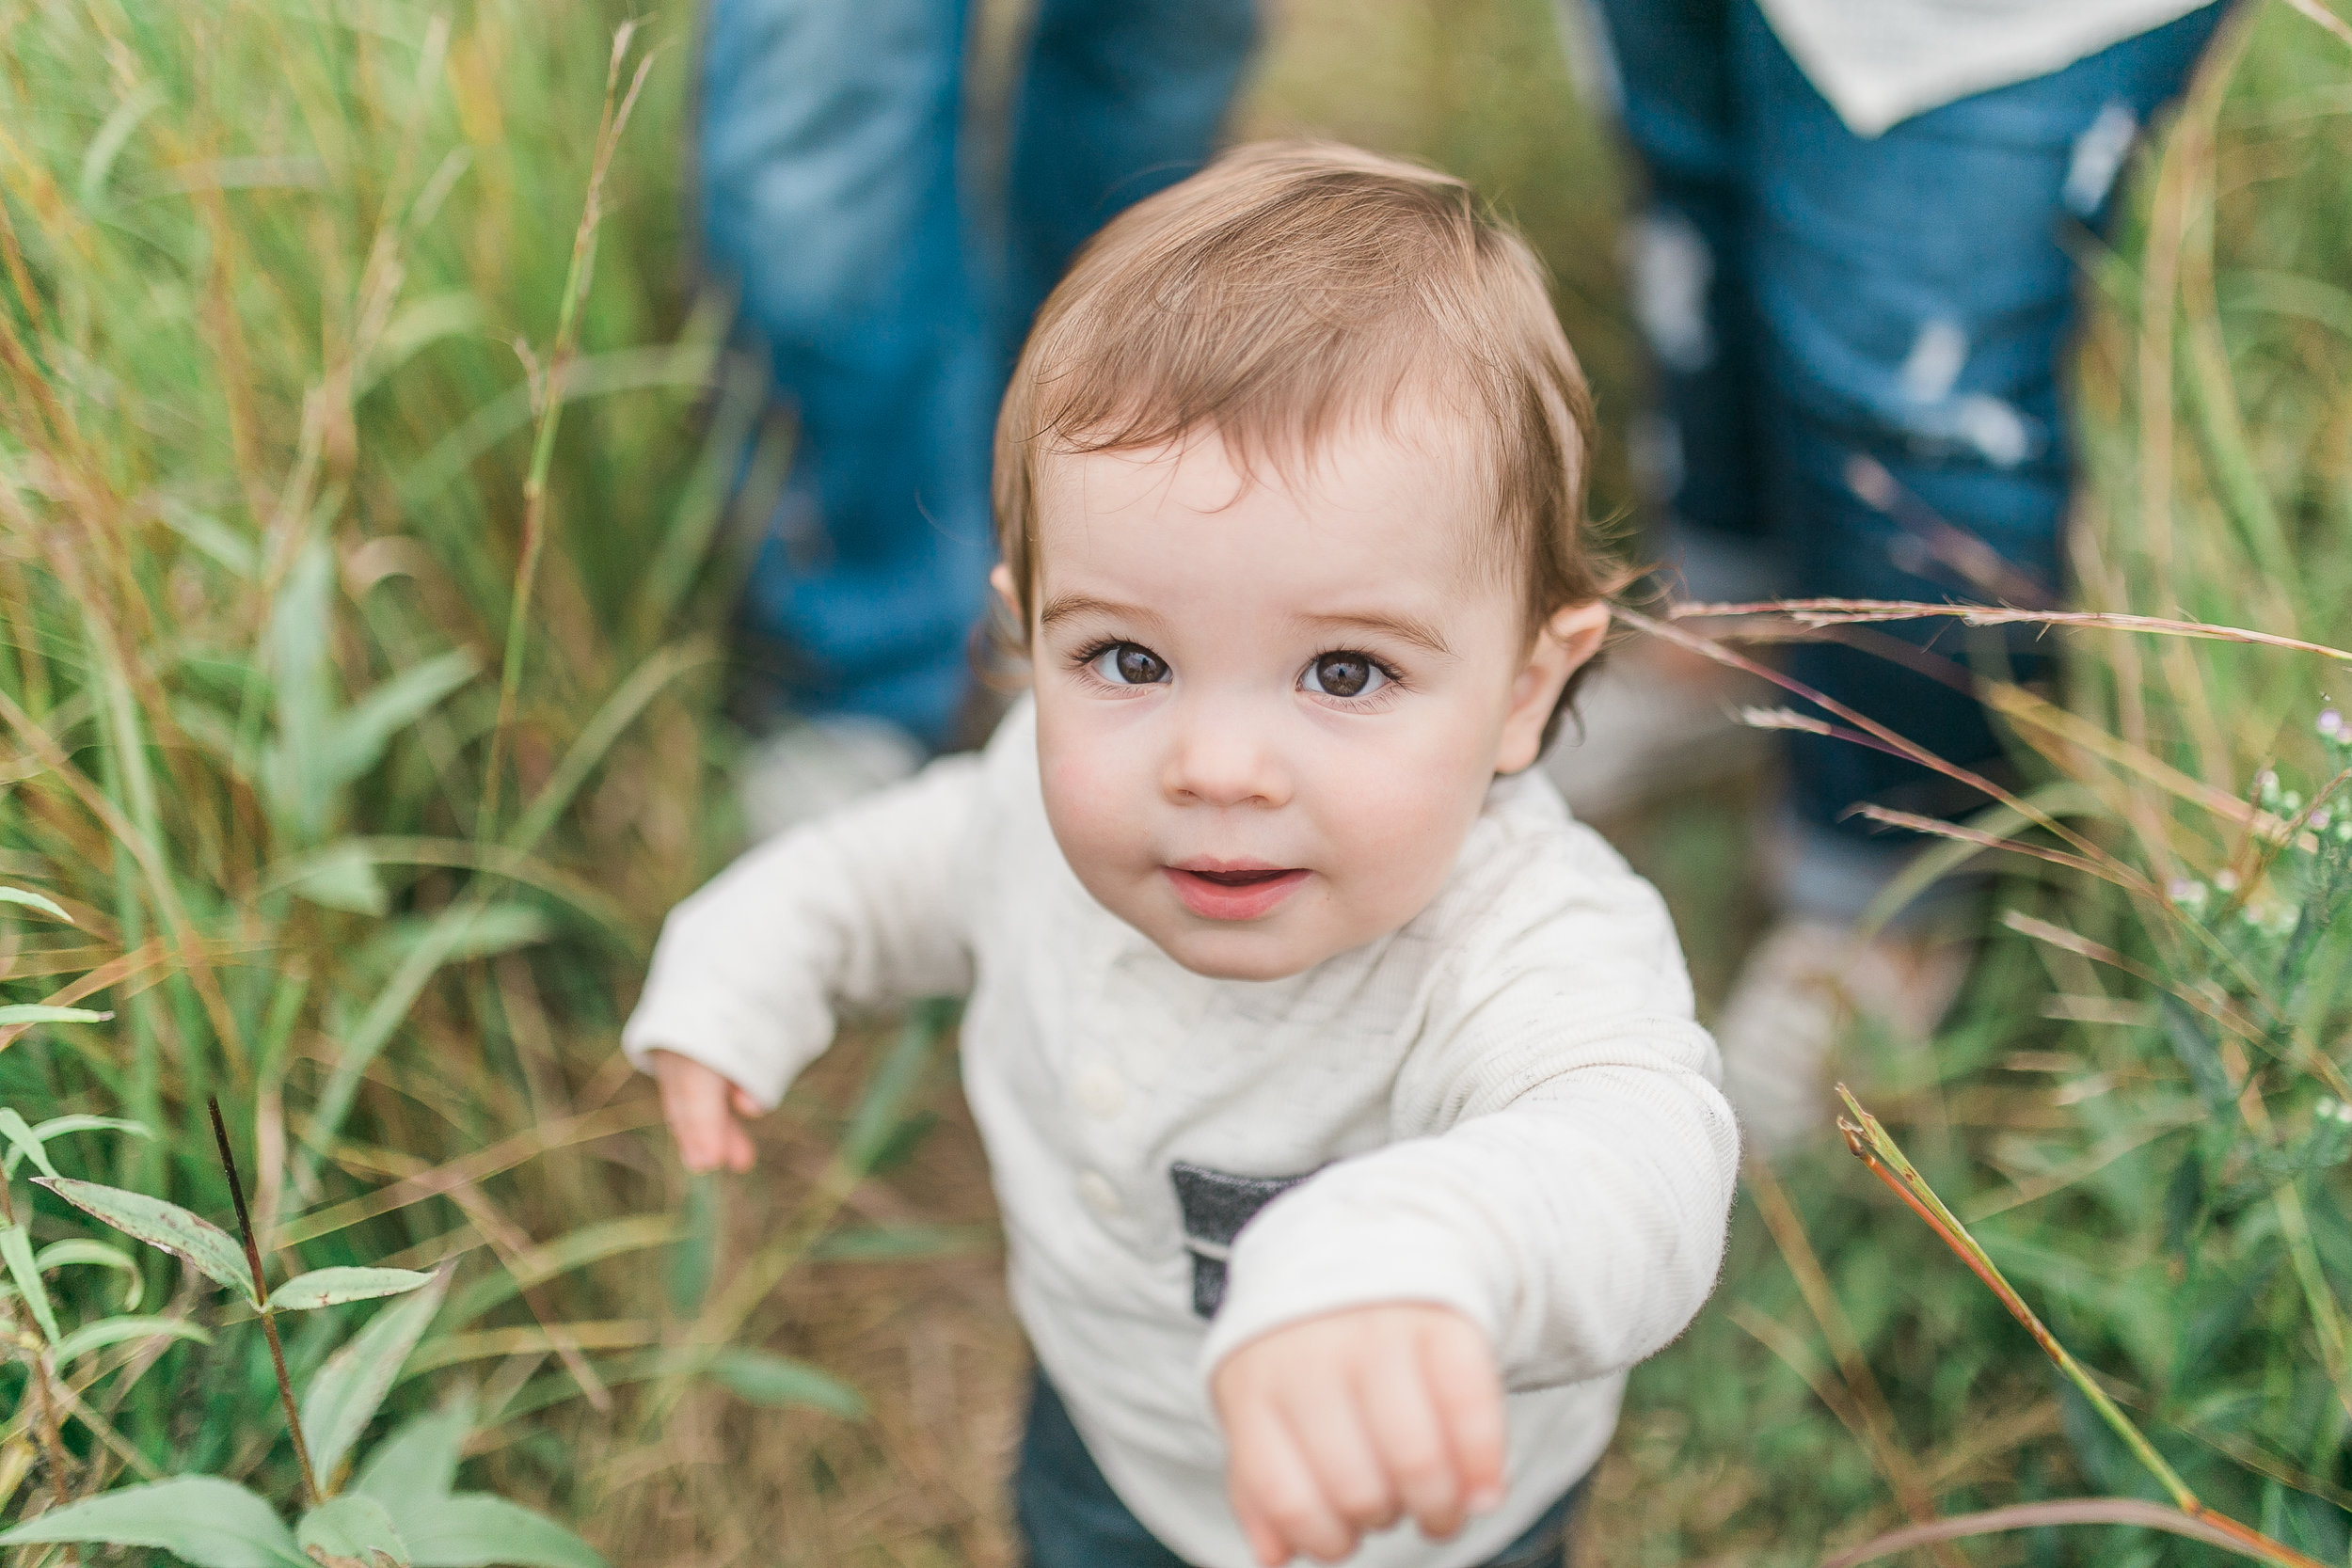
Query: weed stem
point(1870, 1143)
point(313, 1497)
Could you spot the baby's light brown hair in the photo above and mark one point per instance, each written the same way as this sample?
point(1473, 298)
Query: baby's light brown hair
point(1285, 289)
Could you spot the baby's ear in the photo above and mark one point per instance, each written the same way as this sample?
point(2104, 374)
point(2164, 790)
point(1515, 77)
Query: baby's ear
point(1000, 578)
point(1569, 638)
point(1578, 630)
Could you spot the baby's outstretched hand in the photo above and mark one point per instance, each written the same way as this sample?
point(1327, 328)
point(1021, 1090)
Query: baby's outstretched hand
point(1345, 1423)
point(701, 1108)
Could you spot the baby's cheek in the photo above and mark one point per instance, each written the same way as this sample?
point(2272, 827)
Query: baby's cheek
point(1091, 801)
point(1404, 829)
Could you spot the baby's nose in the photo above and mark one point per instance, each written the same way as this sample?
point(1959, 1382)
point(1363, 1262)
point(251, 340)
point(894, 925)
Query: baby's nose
point(1224, 757)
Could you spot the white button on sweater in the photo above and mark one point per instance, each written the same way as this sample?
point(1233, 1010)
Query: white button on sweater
point(1505, 1106)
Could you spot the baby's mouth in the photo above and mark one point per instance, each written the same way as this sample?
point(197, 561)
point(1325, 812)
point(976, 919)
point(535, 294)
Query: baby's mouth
point(1236, 879)
point(1233, 890)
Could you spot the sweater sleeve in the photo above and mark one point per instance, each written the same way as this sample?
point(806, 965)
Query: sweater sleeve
point(862, 908)
point(1565, 1164)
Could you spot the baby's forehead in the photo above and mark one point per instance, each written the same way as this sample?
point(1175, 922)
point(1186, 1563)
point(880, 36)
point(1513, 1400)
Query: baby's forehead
point(1363, 460)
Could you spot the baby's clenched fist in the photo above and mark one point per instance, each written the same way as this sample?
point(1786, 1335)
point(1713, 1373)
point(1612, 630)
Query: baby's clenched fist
point(1343, 1424)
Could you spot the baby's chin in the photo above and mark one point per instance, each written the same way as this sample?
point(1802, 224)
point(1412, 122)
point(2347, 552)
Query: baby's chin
point(1271, 949)
point(1234, 955)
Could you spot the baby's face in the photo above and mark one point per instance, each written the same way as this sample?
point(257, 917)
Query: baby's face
point(1269, 707)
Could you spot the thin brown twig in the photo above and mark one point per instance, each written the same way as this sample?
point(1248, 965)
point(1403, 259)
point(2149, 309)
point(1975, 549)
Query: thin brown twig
point(502, 1155)
point(1879, 1432)
point(1849, 613)
point(2071, 1511)
point(1936, 827)
point(1710, 649)
point(260, 1298)
point(576, 284)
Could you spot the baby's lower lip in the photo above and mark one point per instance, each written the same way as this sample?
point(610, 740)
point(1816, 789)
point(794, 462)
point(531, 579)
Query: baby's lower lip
point(1232, 895)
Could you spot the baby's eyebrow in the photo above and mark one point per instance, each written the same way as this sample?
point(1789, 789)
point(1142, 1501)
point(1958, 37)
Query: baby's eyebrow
point(1405, 628)
point(1064, 606)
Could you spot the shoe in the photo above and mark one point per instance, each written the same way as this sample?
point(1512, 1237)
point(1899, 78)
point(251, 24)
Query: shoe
point(1802, 991)
point(814, 765)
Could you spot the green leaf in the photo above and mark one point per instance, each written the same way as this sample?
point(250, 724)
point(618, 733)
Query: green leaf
point(341, 877)
point(333, 1286)
point(347, 1391)
point(16, 1246)
point(765, 1378)
point(875, 1122)
point(23, 1144)
point(164, 1225)
point(465, 930)
point(79, 1123)
point(37, 1012)
point(80, 1249)
point(357, 737)
point(114, 132)
point(232, 549)
point(2190, 1042)
point(114, 1331)
point(2213, 1311)
point(28, 1140)
point(297, 775)
point(454, 935)
point(433, 317)
point(694, 1258)
point(350, 1532)
point(473, 1530)
point(200, 1519)
point(33, 901)
point(418, 1463)
point(879, 1242)
point(589, 1243)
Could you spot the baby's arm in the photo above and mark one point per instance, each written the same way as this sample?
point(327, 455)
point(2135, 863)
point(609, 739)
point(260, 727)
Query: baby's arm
point(862, 908)
point(1560, 1192)
point(1350, 1421)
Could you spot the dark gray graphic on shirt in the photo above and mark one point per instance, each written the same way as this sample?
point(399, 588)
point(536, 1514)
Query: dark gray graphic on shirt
point(1215, 1206)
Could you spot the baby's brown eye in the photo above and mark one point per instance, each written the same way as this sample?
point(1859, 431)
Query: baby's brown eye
point(1129, 664)
point(1344, 675)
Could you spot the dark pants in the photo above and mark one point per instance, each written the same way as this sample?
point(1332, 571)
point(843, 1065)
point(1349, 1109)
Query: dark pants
point(1814, 297)
point(834, 192)
point(1071, 1517)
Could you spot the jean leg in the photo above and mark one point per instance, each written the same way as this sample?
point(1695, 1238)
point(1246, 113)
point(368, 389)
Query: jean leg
point(1122, 98)
point(1915, 296)
point(1687, 259)
point(1069, 1515)
point(827, 148)
point(1549, 1542)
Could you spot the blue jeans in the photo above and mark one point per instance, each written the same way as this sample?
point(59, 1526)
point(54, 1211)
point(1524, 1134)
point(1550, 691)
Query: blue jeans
point(1815, 297)
point(832, 194)
point(1071, 1518)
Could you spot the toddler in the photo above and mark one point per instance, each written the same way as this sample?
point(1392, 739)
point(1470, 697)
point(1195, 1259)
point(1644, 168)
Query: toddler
point(1341, 1093)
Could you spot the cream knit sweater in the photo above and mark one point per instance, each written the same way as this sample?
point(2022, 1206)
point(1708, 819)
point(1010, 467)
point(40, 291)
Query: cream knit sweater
point(1505, 1107)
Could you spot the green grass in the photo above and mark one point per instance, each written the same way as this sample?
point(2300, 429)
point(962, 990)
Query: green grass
point(286, 321)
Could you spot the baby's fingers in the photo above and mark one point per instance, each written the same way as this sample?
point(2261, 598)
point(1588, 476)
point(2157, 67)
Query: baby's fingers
point(1401, 1415)
point(709, 1136)
point(1466, 1389)
point(709, 1139)
point(1280, 1502)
